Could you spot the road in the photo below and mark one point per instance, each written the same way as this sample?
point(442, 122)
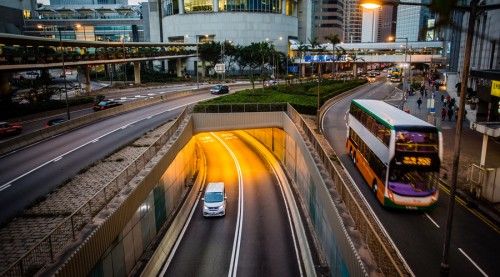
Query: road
point(419, 236)
point(254, 238)
point(123, 97)
point(34, 171)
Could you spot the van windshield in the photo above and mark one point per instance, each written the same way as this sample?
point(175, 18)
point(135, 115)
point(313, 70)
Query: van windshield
point(213, 197)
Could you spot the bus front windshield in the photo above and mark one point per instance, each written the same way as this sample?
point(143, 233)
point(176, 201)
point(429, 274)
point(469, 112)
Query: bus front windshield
point(412, 182)
point(416, 141)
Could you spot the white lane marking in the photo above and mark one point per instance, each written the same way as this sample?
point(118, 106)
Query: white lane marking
point(470, 260)
point(96, 139)
point(74, 149)
point(239, 222)
point(149, 117)
point(432, 220)
point(57, 159)
point(4, 186)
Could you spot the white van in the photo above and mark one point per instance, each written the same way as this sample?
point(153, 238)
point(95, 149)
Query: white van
point(214, 201)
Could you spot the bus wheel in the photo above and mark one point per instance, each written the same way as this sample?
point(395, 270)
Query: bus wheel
point(374, 187)
point(354, 157)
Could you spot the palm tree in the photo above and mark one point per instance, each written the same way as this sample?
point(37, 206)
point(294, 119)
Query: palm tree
point(315, 47)
point(302, 48)
point(334, 40)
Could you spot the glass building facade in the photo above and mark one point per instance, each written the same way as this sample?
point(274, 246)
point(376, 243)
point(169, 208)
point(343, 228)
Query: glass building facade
point(172, 7)
point(91, 23)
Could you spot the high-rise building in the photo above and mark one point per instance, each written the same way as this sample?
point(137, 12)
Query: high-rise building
point(279, 22)
point(352, 21)
point(387, 23)
point(370, 25)
point(13, 15)
point(328, 19)
point(411, 20)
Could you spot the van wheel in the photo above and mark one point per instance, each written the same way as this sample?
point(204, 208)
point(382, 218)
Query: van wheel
point(374, 187)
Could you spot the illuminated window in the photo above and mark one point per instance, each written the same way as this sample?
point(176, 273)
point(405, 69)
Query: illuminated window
point(198, 5)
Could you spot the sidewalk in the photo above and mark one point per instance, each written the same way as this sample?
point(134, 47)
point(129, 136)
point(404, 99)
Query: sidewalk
point(470, 147)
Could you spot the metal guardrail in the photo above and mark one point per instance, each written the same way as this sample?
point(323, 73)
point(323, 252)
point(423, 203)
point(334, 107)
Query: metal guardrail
point(45, 251)
point(388, 262)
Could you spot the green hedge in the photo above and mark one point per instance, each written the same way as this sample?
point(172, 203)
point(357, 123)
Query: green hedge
point(303, 97)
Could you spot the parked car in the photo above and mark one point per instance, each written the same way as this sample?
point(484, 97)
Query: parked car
point(7, 129)
point(271, 83)
point(106, 104)
point(54, 121)
point(219, 89)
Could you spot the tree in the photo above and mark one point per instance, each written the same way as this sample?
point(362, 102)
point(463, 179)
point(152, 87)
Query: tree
point(210, 53)
point(334, 40)
point(315, 46)
point(302, 49)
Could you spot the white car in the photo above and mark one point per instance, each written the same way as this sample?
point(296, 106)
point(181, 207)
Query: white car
point(214, 201)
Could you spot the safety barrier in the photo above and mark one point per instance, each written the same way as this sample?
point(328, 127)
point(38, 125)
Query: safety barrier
point(387, 259)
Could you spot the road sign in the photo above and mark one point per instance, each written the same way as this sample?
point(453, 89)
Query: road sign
point(220, 68)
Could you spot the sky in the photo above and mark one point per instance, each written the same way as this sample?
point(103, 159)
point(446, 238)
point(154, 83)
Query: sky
point(130, 2)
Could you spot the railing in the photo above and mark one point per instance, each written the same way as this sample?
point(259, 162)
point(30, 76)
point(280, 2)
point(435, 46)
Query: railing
point(387, 259)
point(51, 245)
point(237, 108)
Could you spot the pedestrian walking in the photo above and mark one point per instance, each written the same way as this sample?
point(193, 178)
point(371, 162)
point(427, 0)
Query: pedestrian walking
point(450, 114)
point(442, 98)
point(425, 92)
point(443, 114)
point(419, 102)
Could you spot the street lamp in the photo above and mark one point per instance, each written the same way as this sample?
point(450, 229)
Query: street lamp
point(405, 86)
point(59, 29)
point(197, 58)
point(474, 9)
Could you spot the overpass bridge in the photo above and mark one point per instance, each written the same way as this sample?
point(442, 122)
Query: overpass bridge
point(19, 52)
point(404, 53)
point(80, 241)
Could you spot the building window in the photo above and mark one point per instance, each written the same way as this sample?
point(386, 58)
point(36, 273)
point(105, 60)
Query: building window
point(198, 6)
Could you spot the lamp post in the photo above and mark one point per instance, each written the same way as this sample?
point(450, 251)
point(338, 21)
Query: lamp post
point(122, 38)
point(197, 57)
point(197, 60)
point(59, 29)
point(474, 9)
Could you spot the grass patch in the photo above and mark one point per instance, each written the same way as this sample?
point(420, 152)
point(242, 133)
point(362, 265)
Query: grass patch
point(303, 97)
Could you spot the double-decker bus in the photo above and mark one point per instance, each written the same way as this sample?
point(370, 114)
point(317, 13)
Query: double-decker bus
point(398, 154)
point(395, 74)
